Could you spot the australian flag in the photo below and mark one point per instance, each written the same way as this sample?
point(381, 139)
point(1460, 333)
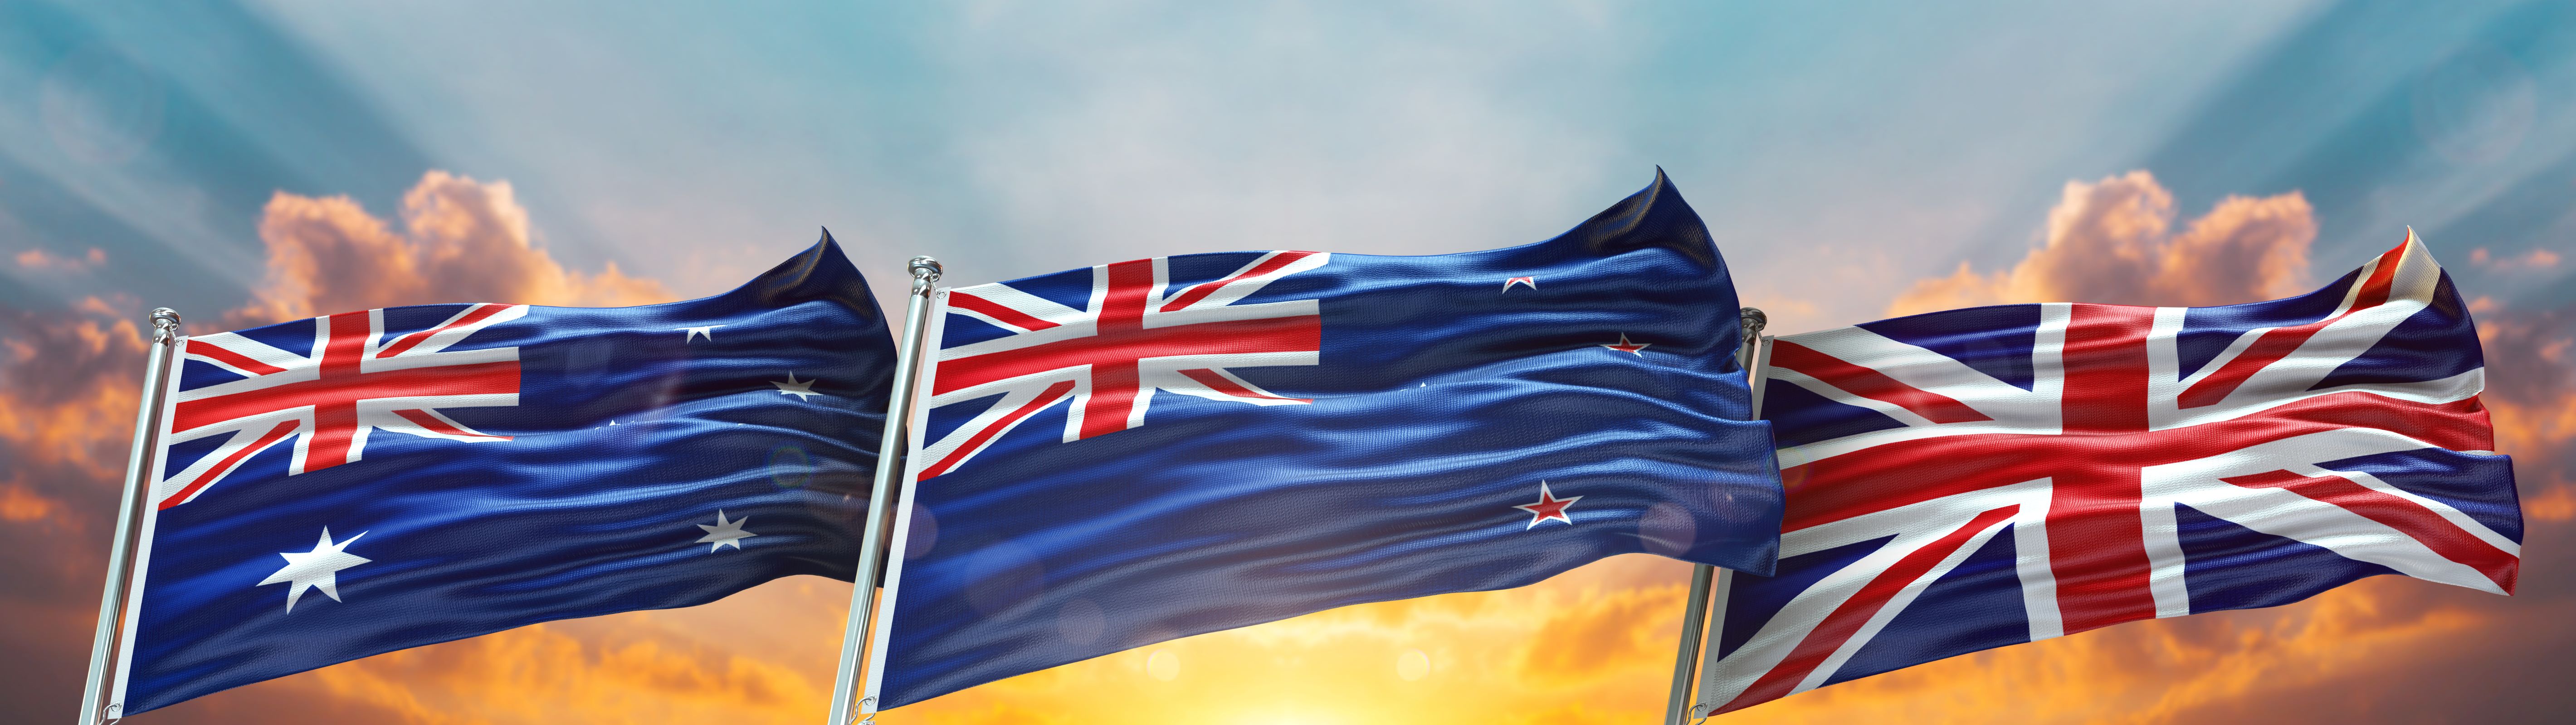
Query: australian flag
point(1975, 478)
point(342, 486)
point(1130, 453)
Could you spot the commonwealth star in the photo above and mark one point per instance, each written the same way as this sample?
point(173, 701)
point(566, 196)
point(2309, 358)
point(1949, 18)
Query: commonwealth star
point(316, 569)
point(725, 533)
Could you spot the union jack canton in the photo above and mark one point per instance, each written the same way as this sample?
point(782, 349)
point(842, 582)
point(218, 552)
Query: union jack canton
point(1136, 335)
point(1128, 453)
point(341, 486)
point(356, 381)
point(1974, 478)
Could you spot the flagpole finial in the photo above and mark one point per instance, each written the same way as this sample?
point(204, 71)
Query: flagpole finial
point(165, 323)
point(925, 272)
point(1754, 320)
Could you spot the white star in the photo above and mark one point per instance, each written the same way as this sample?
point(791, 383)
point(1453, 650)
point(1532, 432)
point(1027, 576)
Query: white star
point(705, 331)
point(725, 533)
point(317, 569)
point(1632, 348)
point(803, 390)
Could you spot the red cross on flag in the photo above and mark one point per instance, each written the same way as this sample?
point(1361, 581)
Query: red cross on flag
point(1135, 336)
point(1973, 478)
point(353, 382)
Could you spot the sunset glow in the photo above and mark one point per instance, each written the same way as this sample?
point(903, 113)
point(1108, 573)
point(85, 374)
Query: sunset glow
point(267, 160)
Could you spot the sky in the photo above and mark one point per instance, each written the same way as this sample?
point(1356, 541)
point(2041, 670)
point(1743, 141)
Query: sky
point(248, 162)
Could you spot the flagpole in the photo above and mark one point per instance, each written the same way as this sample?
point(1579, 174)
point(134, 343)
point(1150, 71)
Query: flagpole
point(1679, 710)
point(1759, 370)
point(120, 553)
point(881, 504)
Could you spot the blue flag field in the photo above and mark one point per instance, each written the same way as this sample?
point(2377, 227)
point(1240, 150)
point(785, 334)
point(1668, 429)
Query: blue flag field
point(348, 485)
point(1130, 453)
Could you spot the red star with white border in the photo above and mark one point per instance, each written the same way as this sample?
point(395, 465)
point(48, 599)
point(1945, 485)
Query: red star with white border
point(1530, 282)
point(1632, 348)
point(1548, 508)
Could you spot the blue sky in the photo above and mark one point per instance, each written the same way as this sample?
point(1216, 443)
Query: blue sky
point(1836, 150)
point(1841, 153)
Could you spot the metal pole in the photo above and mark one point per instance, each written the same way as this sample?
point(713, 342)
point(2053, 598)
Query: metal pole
point(1694, 619)
point(120, 552)
point(1757, 370)
point(881, 503)
point(1678, 710)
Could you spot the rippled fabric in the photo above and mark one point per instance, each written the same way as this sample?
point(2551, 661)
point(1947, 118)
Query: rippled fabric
point(1976, 478)
point(1131, 453)
point(629, 433)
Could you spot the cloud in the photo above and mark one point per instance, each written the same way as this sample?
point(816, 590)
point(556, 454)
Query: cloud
point(68, 385)
point(2536, 259)
point(2531, 396)
point(1615, 626)
point(462, 241)
point(2354, 652)
point(1592, 645)
point(535, 674)
point(2113, 241)
point(20, 502)
point(38, 260)
point(69, 378)
point(2160, 670)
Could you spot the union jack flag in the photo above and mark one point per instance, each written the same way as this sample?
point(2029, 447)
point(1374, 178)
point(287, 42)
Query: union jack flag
point(1136, 335)
point(352, 381)
point(1968, 479)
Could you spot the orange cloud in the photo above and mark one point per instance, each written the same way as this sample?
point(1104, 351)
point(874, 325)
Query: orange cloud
point(538, 674)
point(69, 379)
point(2109, 241)
point(42, 261)
point(20, 502)
point(2161, 670)
point(462, 241)
point(1591, 646)
point(2536, 259)
point(1594, 645)
point(2531, 396)
point(2112, 241)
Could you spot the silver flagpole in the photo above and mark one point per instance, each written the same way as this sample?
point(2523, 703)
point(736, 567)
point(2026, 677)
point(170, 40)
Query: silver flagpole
point(1758, 370)
point(881, 503)
point(1678, 710)
point(120, 552)
point(1694, 619)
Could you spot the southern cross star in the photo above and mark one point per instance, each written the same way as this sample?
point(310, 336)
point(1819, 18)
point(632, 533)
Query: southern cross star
point(1548, 508)
point(705, 331)
point(1632, 348)
point(802, 389)
point(725, 533)
point(316, 569)
point(1530, 282)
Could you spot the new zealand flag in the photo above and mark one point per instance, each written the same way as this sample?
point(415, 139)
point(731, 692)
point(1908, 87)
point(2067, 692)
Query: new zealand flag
point(342, 486)
point(1976, 478)
point(1121, 455)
